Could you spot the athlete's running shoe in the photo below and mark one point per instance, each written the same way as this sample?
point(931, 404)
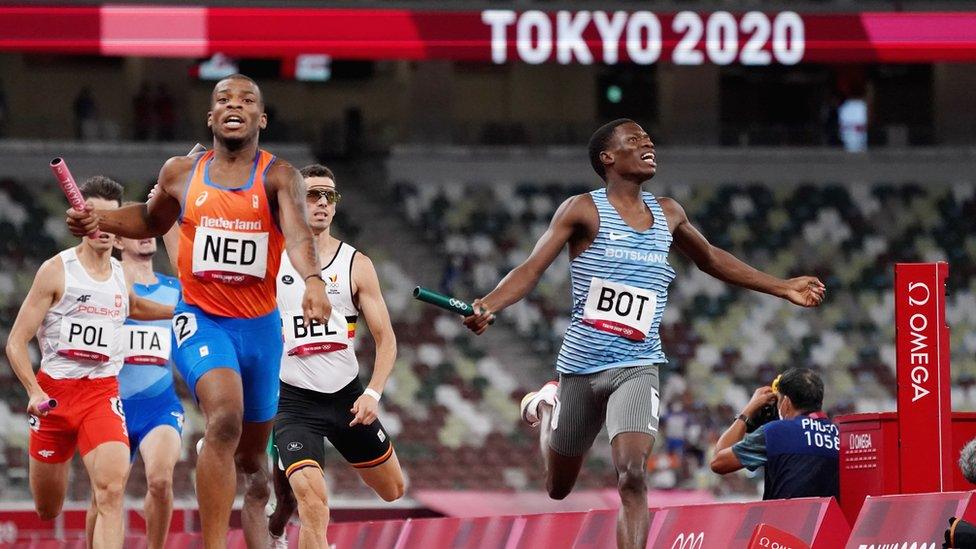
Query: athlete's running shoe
point(531, 401)
point(280, 542)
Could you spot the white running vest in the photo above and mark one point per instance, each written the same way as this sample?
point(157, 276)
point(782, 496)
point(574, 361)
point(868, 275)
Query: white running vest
point(317, 357)
point(81, 335)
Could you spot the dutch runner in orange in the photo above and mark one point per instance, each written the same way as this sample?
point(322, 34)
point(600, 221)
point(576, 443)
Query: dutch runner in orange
point(237, 206)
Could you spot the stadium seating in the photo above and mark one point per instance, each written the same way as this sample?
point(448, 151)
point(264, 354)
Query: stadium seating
point(453, 409)
point(723, 342)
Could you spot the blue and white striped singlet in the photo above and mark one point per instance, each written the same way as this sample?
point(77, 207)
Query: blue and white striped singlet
point(620, 289)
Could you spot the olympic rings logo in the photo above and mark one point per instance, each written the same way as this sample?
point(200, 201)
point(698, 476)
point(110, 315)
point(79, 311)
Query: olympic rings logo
point(689, 541)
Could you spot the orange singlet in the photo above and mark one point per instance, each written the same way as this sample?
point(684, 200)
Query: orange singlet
point(230, 245)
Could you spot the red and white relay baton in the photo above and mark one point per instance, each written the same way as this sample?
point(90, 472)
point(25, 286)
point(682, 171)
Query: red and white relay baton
point(70, 188)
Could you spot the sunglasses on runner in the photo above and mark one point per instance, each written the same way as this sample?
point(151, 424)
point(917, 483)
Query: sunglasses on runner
point(332, 196)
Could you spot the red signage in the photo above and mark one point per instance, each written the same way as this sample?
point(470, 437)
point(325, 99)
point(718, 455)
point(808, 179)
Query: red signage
point(818, 522)
point(769, 537)
point(922, 351)
point(494, 36)
point(916, 520)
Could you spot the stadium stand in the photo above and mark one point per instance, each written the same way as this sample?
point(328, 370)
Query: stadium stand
point(452, 406)
point(723, 342)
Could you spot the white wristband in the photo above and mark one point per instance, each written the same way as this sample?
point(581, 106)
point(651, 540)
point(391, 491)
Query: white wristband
point(372, 393)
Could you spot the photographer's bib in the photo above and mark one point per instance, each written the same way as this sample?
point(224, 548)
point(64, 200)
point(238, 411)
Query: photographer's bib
point(147, 344)
point(619, 309)
point(230, 257)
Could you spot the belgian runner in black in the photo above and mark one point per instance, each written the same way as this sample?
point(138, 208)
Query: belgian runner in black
point(321, 395)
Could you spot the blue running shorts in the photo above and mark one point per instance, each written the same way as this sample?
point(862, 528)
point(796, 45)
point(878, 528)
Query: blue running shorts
point(142, 415)
point(250, 346)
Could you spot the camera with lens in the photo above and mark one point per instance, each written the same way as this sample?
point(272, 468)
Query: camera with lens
point(767, 413)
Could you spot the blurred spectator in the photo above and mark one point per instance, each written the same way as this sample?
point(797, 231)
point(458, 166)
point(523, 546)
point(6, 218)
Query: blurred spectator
point(86, 115)
point(354, 130)
point(967, 461)
point(852, 116)
point(277, 129)
point(800, 451)
point(142, 108)
point(829, 119)
point(3, 108)
point(165, 112)
point(452, 272)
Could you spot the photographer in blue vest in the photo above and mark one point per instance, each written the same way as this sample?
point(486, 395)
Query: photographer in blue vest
point(800, 450)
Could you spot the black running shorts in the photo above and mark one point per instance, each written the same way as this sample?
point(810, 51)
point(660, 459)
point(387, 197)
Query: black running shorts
point(306, 417)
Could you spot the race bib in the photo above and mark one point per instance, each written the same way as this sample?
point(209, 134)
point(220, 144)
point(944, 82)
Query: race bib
point(303, 339)
point(230, 257)
point(146, 344)
point(619, 309)
point(86, 339)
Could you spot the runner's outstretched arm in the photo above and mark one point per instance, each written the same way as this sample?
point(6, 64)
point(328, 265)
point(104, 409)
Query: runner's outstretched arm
point(171, 239)
point(568, 219)
point(144, 220)
point(806, 291)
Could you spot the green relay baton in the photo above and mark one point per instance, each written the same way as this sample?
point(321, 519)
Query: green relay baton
point(445, 302)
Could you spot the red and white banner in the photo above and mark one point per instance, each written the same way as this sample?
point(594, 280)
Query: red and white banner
point(494, 36)
point(922, 357)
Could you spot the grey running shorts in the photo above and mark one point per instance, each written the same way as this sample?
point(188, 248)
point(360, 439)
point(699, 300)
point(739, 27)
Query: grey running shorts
point(626, 399)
